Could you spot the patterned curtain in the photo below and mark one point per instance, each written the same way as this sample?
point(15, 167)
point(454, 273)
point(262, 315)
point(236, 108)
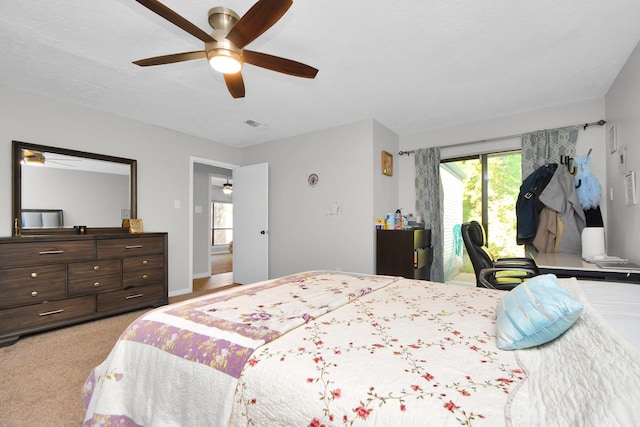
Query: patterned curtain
point(430, 203)
point(546, 146)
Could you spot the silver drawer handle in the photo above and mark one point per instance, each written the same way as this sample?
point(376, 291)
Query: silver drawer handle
point(96, 267)
point(145, 262)
point(34, 293)
point(134, 296)
point(51, 252)
point(34, 274)
point(145, 276)
point(49, 313)
point(96, 284)
point(133, 246)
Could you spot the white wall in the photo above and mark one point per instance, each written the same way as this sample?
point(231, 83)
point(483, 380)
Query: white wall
point(385, 187)
point(583, 112)
point(623, 110)
point(301, 236)
point(85, 197)
point(162, 155)
point(201, 220)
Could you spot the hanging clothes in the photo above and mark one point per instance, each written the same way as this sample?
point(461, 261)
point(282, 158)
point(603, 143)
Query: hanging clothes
point(588, 187)
point(549, 231)
point(528, 206)
point(560, 196)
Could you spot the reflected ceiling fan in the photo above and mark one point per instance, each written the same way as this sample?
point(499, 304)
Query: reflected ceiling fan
point(225, 46)
point(38, 158)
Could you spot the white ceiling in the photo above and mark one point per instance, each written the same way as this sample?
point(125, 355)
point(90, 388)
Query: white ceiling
point(413, 65)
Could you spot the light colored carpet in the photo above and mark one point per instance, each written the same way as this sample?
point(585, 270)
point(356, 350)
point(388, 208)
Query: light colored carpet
point(41, 376)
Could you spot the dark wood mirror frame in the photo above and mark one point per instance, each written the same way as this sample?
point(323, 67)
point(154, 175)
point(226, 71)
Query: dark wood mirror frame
point(16, 166)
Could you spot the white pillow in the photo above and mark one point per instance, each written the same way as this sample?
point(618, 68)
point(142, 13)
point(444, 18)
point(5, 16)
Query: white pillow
point(535, 312)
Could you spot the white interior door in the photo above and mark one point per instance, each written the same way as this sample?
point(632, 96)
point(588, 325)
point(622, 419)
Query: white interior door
point(251, 223)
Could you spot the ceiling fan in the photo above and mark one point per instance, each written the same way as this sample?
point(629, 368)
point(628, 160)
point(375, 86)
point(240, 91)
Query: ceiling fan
point(38, 158)
point(225, 46)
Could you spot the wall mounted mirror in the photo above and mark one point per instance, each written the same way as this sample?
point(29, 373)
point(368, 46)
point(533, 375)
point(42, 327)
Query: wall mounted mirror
point(55, 189)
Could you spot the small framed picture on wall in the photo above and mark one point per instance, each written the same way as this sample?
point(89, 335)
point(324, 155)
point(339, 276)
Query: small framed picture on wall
point(611, 139)
point(387, 163)
point(630, 188)
point(622, 159)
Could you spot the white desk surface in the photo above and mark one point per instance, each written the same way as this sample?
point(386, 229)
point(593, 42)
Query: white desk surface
point(562, 261)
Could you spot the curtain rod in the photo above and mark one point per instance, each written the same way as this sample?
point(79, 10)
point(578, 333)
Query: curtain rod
point(500, 138)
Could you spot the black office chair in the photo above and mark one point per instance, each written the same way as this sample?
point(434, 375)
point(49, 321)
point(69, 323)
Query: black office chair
point(501, 273)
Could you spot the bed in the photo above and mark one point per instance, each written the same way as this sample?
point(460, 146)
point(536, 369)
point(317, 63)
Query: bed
point(330, 348)
point(41, 218)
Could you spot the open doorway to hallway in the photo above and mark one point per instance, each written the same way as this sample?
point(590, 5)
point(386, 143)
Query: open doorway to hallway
point(221, 227)
point(212, 210)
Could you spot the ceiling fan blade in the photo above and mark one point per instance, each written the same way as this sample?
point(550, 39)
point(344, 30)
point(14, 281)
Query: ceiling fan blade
point(169, 59)
point(235, 84)
point(257, 20)
point(281, 65)
point(174, 18)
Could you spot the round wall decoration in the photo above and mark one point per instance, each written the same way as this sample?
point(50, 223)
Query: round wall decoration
point(313, 179)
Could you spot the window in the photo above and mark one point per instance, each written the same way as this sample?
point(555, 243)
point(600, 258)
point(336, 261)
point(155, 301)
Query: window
point(483, 188)
point(221, 223)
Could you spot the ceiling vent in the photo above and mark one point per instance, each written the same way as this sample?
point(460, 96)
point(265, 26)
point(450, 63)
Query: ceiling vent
point(253, 123)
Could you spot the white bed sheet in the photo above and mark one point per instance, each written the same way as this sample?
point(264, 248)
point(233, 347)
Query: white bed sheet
point(619, 304)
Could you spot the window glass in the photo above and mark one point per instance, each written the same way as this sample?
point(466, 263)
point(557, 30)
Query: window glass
point(483, 188)
point(222, 223)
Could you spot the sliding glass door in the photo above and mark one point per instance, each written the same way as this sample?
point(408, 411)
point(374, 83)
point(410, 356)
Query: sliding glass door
point(483, 188)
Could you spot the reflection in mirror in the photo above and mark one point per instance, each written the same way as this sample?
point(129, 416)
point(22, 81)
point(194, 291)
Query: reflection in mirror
point(57, 188)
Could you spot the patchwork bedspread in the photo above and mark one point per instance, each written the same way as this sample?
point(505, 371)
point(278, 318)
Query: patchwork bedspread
point(330, 348)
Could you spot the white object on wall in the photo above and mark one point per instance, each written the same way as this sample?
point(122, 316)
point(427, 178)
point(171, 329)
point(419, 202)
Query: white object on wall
point(332, 210)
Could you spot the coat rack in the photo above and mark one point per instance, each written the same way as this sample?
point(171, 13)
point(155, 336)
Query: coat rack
point(568, 162)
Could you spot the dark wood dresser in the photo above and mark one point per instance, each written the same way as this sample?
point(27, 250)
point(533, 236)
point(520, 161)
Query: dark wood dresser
point(406, 253)
point(58, 280)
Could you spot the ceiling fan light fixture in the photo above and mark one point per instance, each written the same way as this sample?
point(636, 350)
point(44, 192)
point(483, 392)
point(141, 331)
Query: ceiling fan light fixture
point(227, 188)
point(225, 61)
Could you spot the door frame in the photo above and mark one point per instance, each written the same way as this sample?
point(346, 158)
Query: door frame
point(192, 161)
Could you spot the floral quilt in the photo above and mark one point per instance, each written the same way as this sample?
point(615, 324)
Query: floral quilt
point(413, 353)
point(180, 364)
point(312, 349)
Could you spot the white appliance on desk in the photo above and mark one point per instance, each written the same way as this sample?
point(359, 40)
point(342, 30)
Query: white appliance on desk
point(594, 251)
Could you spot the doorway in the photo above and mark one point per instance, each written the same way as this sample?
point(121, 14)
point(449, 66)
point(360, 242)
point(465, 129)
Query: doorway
point(251, 219)
point(211, 265)
point(221, 235)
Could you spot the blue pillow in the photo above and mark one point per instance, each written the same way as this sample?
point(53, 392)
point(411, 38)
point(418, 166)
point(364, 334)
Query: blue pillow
point(535, 312)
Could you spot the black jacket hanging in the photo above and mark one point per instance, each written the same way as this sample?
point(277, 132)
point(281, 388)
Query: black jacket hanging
point(528, 206)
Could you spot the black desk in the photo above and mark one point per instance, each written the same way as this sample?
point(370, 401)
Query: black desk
point(572, 265)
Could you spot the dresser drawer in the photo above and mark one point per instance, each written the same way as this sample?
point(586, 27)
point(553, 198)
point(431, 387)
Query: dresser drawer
point(137, 297)
point(94, 276)
point(143, 270)
point(132, 246)
point(142, 263)
point(15, 320)
point(36, 252)
point(141, 278)
point(32, 285)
